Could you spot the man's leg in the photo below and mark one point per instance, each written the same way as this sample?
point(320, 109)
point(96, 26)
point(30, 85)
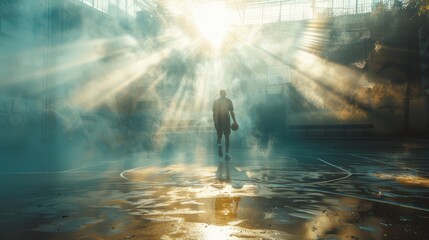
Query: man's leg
point(219, 142)
point(219, 138)
point(227, 157)
point(227, 131)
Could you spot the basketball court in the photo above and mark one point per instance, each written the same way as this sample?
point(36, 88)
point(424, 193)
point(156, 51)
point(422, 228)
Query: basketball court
point(111, 114)
point(300, 189)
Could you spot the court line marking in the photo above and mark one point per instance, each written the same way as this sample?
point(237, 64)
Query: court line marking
point(330, 192)
point(375, 200)
point(318, 182)
point(387, 163)
point(58, 172)
point(384, 155)
point(123, 159)
point(79, 168)
point(74, 169)
point(122, 175)
point(365, 198)
point(349, 174)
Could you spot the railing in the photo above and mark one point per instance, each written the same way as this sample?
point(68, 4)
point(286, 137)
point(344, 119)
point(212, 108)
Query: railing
point(256, 12)
point(116, 7)
point(294, 10)
point(332, 127)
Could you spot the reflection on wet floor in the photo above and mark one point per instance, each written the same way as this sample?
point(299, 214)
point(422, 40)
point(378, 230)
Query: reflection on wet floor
point(299, 191)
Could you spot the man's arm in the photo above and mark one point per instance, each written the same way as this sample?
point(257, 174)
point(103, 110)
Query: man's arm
point(233, 116)
point(231, 110)
point(214, 118)
point(214, 113)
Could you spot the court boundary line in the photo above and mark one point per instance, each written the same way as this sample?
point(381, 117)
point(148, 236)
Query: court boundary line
point(58, 172)
point(380, 155)
point(387, 163)
point(349, 174)
point(90, 166)
point(374, 200)
point(344, 171)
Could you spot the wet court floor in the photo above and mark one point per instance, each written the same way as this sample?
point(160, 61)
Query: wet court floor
point(306, 189)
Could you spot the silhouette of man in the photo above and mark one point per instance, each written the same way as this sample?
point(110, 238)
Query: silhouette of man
point(222, 111)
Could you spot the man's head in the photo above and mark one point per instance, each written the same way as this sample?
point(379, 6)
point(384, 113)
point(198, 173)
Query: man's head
point(222, 93)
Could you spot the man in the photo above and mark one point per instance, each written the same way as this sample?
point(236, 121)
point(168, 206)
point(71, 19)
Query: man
point(222, 110)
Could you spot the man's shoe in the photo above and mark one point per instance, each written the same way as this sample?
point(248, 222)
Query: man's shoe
point(219, 152)
point(227, 157)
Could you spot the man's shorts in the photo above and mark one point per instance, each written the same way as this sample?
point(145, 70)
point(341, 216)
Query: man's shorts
point(223, 127)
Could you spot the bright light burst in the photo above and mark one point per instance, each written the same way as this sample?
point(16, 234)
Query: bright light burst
point(212, 22)
point(211, 232)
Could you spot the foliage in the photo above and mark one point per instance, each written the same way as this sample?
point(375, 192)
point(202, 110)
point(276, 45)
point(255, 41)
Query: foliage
point(419, 7)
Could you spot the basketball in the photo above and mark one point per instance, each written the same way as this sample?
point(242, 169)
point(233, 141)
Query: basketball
point(234, 127)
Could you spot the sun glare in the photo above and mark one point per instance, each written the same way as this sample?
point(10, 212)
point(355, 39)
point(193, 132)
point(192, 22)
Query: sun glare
point(212, 22)
point(212, 232)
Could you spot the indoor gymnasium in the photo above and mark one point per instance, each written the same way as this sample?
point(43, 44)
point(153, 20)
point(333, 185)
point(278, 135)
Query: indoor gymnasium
point(214, 119)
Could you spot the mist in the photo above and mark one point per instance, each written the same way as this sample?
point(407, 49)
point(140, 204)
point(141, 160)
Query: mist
point(78, 83)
